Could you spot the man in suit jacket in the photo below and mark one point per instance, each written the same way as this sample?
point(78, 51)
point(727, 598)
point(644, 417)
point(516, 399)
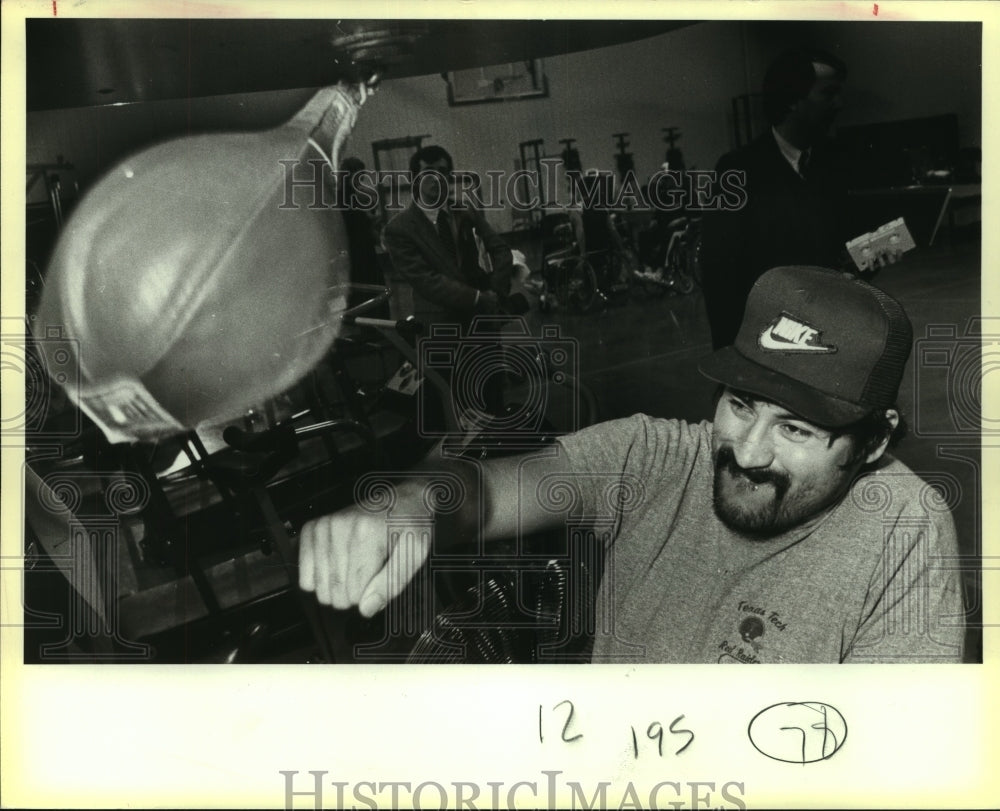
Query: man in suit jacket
point(433, 247)
point(795, 203)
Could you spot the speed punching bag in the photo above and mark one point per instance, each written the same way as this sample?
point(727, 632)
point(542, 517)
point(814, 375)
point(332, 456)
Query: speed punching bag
point(195, 280)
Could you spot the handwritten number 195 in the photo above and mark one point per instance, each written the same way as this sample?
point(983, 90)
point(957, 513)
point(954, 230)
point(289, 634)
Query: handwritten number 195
point(655, 733)
point(566, 738)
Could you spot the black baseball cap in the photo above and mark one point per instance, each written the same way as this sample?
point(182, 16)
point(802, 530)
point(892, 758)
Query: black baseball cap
point(828, 347)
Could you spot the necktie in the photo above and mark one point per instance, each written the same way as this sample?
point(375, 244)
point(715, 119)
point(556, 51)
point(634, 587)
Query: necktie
point(445, 232)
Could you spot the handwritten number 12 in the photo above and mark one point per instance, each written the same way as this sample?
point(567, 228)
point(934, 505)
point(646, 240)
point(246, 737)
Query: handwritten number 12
point(655, 731)
point(566, 724)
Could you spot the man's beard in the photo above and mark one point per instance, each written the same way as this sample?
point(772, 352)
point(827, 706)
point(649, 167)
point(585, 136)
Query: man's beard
point(750, 501)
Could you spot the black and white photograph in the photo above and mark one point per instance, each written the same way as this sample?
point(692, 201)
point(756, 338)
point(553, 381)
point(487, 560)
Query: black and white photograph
point(350, 344)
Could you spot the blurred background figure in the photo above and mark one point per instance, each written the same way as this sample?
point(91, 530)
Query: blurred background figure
point(795, 208)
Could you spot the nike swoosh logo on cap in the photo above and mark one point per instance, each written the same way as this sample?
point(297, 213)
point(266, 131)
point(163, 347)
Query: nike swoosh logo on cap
point(788, 334)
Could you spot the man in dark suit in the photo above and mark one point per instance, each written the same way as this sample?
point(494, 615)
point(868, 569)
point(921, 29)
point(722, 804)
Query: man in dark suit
point(435, 245)
point(795, 202)
point(434, 248)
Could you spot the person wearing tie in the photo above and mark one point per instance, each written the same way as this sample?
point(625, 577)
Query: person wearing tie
point(433, 246)
point(796, 204)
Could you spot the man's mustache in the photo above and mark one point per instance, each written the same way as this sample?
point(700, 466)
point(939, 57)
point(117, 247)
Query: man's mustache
point(725, 460)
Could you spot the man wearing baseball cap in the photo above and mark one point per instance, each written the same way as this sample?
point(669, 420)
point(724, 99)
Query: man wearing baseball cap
point(782, 531)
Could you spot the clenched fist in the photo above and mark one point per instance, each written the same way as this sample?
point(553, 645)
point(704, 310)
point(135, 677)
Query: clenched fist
point(350, 558)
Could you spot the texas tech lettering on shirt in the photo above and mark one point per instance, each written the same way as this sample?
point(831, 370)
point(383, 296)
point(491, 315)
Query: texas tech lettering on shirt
point(754, 625)
point(788, 334)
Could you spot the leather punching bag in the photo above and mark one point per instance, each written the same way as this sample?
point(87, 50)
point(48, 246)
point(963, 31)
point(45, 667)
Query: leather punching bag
point(194, 280)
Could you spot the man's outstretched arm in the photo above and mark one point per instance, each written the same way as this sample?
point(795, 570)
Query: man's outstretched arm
point(348, 558)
